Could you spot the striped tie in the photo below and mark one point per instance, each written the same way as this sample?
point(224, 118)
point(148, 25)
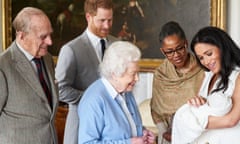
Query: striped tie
point(38, 63)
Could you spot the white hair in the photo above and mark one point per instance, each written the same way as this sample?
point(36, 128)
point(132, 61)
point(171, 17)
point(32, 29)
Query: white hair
point(22, 22)
point(117, 57)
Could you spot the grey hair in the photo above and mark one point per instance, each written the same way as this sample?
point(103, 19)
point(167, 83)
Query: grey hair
point(117, 57)
point(22, 22)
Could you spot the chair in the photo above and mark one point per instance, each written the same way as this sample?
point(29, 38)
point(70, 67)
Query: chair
point(145, 111)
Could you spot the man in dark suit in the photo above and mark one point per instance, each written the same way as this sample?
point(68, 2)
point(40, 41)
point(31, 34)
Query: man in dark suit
point(78, 61)
point(27, 108)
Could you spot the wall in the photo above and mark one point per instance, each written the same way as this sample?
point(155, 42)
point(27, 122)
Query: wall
point(233, 20)
point(143, 88)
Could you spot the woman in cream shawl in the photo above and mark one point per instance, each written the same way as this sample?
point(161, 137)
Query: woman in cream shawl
point(176, 80)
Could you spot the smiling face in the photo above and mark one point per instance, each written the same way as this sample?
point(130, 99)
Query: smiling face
point(101, 23)
point(175, 49)
point(209, 56)
point(127, 81)
point(37, 39)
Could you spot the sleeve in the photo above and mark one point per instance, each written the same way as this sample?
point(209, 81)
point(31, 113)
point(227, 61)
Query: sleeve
point(65, 75)
point(91, 124)
point(3, 91)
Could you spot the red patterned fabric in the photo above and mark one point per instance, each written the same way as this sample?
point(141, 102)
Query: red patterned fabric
point(39, 65)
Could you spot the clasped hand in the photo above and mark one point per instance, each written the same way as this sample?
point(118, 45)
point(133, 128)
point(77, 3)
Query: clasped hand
point(147, 138)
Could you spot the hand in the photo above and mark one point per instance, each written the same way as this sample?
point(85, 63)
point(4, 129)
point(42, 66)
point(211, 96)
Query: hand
point(138, 140)
point(149, 137)
point(197, 101)
point(167, 136)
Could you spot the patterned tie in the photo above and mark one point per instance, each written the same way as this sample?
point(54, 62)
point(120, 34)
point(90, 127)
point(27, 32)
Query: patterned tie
point(102, 41)
point(124, 107)
point(38, 63)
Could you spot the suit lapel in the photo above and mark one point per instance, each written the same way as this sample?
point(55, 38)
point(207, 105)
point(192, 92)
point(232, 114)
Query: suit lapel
point(50, 74)
point(26, 71)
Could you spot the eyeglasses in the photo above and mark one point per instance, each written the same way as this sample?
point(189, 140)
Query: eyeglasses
point(170, 53)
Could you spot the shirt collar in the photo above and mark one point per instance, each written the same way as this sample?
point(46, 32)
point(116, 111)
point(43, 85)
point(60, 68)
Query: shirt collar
point(27, 54)
point(113, 93)
point(95, 40)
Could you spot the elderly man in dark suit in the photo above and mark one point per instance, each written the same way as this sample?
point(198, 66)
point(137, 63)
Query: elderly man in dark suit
point(78, 61)
point(28, 102)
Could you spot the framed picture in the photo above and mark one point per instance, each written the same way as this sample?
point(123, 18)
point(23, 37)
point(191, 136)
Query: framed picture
point(138, 21)
point(67, 18)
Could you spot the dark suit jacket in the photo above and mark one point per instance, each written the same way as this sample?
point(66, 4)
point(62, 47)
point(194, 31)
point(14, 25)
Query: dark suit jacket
point(25, 114)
